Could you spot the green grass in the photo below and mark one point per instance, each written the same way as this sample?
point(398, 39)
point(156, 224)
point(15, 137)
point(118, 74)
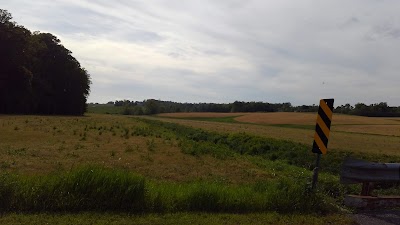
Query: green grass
point(89, 188)
point(282, 192)
point(173, 218)
point(98, 189)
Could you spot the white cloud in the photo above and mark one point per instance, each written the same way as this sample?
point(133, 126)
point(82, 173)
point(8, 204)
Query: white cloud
point(221, 51)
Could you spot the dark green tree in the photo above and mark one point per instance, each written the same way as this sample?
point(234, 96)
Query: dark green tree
point(15, 77)
point(38, 74)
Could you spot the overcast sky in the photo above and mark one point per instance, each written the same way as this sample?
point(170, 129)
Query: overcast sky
point(226, 50)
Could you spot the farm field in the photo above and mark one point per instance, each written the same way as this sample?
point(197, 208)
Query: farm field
point(351, 133)
point(288, 118)
point(261, 170)
point(37, 145)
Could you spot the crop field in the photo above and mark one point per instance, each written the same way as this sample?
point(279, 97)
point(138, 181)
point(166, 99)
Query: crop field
point(183, 166)
point(350, 133)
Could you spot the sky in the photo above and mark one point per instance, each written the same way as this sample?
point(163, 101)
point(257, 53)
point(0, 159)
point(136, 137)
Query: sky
point(223, 51)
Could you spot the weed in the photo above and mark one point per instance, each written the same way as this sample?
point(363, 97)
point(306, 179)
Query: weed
point(126, 133)
point(151, 145)
point(83, 138)
point(147, 157)
point(18, 151)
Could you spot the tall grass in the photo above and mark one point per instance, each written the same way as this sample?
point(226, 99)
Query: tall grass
point(94, 188)
point(88, 188)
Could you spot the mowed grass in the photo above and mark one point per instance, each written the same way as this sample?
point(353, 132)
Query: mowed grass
point(173, 218)
point(348, 133)
point(42, 144)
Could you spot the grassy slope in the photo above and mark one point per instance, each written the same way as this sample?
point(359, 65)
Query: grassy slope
point(34, 145)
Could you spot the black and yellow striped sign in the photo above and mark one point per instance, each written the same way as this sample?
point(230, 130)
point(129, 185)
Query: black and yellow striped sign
point(322, 128)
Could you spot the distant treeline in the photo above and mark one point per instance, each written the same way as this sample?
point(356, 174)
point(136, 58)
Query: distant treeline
point(373, 110)
point(152, 106)
point(38, 75)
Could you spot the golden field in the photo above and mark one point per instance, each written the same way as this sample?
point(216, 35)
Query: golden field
point(353, 133)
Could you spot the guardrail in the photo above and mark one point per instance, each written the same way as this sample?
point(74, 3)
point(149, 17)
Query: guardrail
point(358, 171)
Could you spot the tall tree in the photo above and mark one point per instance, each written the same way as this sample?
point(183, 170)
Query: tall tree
point(15, 77)
point(38, 74)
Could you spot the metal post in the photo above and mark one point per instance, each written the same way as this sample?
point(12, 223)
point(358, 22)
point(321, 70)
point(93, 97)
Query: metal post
point(315, 172)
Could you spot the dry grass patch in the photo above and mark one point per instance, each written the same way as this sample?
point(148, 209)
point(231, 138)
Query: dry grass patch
point(41, 144)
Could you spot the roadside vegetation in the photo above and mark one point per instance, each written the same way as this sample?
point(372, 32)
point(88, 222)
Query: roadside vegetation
point(74, 164)
point(98, 189)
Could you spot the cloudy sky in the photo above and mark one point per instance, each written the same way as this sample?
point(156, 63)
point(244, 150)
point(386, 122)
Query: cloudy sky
point(226, 50)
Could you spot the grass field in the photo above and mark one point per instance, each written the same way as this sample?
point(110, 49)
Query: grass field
point(176, 218)
point(230, 165)
point(350, 133)
point(36, 145)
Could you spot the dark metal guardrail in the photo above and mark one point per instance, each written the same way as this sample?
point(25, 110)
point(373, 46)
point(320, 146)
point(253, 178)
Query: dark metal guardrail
point(355, 171)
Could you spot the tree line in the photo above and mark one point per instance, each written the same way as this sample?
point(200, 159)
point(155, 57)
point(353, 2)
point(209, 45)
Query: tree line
point(373, 110)
point(38, 75)
point(152, 106)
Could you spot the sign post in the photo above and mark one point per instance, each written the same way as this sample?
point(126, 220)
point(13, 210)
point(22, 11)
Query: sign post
point(321, 136)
